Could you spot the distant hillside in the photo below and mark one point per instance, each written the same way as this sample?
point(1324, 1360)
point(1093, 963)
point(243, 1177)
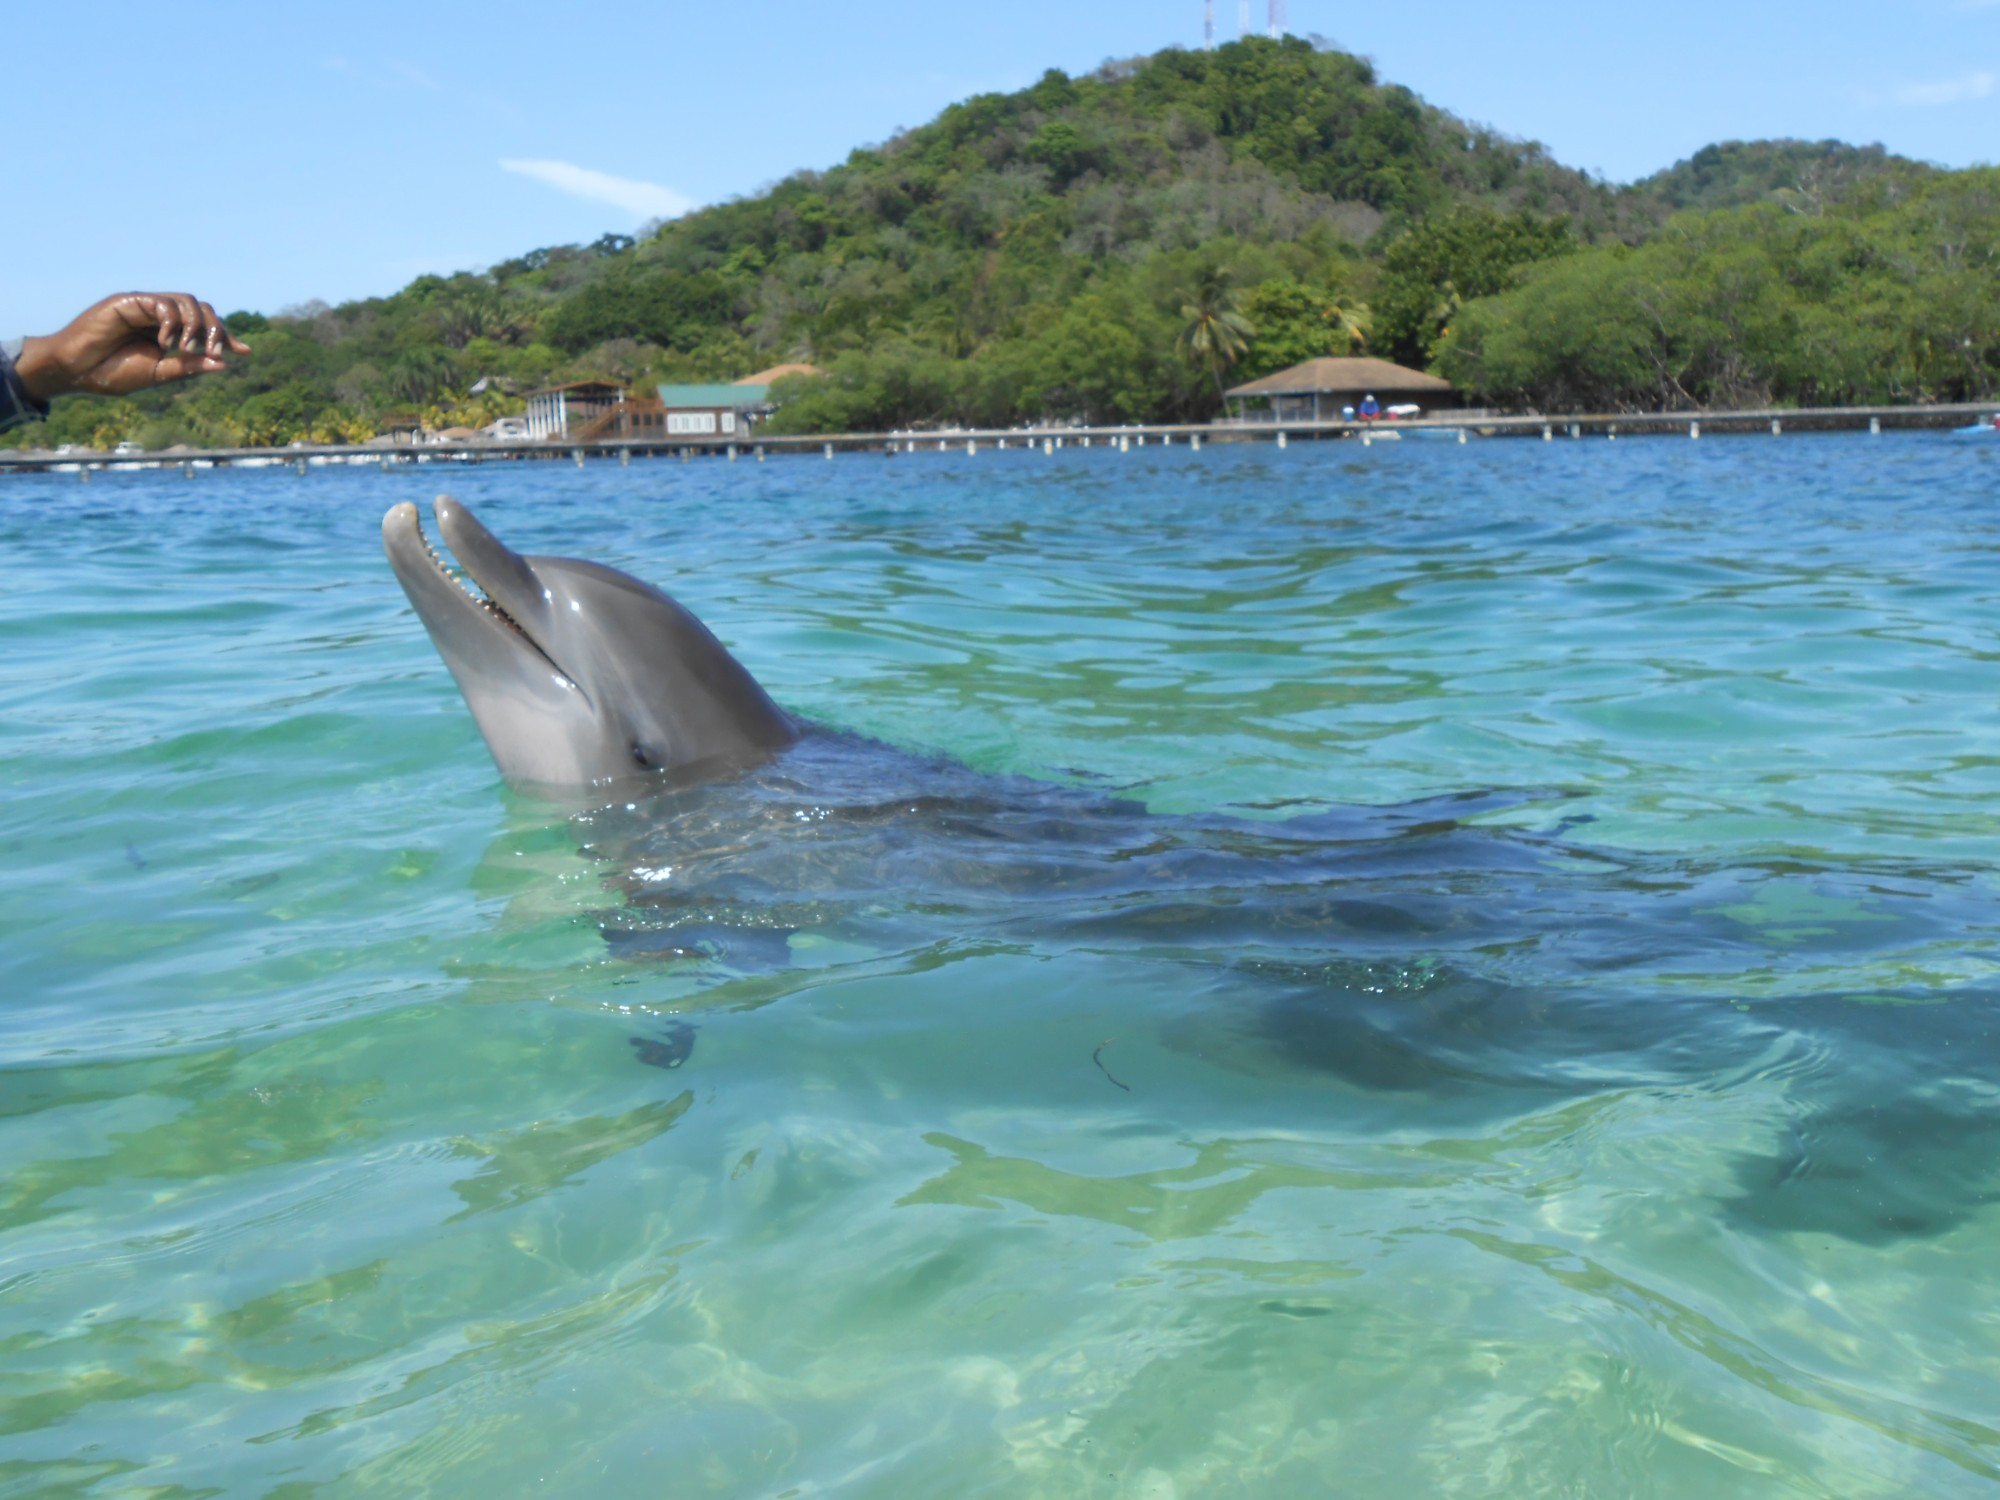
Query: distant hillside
point(1892, 295)
point(1808, 175)
point(1118, 246)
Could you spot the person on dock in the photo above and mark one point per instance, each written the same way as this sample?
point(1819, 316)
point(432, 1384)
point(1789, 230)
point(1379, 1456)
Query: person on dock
point(1371, 409)
point(128, 342)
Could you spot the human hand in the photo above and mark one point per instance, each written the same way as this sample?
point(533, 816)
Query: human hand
point(127, 343)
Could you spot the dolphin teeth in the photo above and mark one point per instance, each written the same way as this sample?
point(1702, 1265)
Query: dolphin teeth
point(482, 599)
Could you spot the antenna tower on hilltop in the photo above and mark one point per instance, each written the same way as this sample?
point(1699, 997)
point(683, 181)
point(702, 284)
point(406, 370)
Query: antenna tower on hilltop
point(1277, 18)
point(1243, 20)
point(1208, 24)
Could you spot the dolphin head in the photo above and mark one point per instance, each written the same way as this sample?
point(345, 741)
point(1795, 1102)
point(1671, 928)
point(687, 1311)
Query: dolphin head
point(578, 675)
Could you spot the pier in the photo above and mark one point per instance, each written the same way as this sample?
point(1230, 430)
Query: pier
point(1449, 426)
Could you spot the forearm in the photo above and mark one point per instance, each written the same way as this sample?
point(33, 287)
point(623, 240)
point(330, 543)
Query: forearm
point(17, 404)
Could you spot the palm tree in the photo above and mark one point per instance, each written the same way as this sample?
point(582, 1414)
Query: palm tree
point(1216, 332)
point(420, 375)
point(1351, 319)
point(482, 313)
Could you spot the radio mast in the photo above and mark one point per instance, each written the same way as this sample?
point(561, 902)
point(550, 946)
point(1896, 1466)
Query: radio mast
point(1243, 23)
point(1208, 24)
point(1277, 19)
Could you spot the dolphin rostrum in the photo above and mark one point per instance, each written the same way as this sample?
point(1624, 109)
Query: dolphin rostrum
point(577, 674)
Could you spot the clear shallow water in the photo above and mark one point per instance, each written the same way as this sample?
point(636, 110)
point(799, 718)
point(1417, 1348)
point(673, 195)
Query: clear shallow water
point(1639, 1137)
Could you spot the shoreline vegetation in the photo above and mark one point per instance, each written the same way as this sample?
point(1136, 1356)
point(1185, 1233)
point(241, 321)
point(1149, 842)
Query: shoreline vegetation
point(1116, 248)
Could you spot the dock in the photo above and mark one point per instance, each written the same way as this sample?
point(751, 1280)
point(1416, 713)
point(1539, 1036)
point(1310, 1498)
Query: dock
point(1462, 427)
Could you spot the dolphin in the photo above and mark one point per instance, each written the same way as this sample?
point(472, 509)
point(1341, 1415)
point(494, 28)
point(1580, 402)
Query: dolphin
point(578, 675)
point(1414, 949)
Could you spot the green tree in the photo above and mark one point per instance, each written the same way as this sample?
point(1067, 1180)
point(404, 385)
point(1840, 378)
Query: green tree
point(1214, 333)
point(419, 376)
point(1296, 322)
point(1061, 148)
point(1445, 262)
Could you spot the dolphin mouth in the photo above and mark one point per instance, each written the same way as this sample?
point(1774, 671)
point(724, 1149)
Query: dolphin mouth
point(405, 526)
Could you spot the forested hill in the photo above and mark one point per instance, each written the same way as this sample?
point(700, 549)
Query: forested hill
point(1111, 247)
point(1807, 177)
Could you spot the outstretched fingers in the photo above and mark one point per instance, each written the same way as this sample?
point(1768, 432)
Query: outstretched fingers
point(220, 339)
point(171, 367)
point(180, 322)
point(175, 320)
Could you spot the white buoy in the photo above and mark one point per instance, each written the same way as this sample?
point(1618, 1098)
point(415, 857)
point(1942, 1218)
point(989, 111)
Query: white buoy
point(732, 453)
point(1086, 442)
point(971, 447)
point(1142, 440)
point(1048, 445)
point(1611, 433)
point(1694, 429)
point(1194, 441)
point(1777, 427)
point(1366, 440)
point(1548, 433)
point(1281, 440)
point(1003, 445)
point(829, 450)
point(577, 454)
point(1461, 435)
point(760, 453)
point(1874, 426)
point(624, 458)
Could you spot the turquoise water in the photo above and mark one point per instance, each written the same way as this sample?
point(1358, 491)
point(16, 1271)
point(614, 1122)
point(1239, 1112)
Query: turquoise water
point(1638, 1135)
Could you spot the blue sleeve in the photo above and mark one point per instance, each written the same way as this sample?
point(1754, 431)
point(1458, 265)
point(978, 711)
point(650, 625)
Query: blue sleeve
point(16, 405)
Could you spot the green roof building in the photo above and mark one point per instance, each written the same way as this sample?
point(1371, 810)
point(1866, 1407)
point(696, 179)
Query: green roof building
point(714, 410)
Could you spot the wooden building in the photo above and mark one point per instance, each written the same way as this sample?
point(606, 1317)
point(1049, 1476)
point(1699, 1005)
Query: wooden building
point(1317, 390)
point(720, 411)
point(563, 411)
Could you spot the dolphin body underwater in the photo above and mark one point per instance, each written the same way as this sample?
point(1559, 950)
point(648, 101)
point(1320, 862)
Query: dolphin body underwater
point(1384, 945)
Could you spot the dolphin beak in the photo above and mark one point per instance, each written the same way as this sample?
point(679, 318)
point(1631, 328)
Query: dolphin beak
point(422, 573)
point(456, 618)
point(506, 576)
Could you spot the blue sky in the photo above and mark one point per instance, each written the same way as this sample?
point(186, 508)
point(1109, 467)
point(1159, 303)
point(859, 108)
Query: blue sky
point(263, 155)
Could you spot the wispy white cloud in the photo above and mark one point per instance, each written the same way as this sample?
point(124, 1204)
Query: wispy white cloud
point(394, 74)
point(1950, 91)
point(411, 73)
point(642, 200)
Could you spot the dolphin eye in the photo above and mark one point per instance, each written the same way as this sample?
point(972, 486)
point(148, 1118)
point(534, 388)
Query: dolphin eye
point(640, 758)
